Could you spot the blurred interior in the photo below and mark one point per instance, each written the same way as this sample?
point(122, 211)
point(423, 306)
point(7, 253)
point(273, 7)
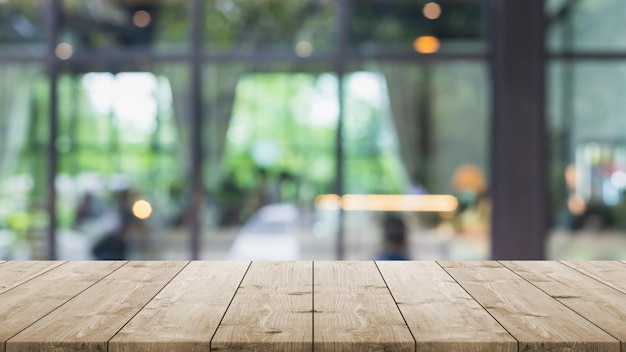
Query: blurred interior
point(317, 129)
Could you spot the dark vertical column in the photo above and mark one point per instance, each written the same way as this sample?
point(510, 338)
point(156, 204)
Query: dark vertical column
point(195, 140)
point(340, 63)
point(567, 154)
point(518, 136)
point(53, 115)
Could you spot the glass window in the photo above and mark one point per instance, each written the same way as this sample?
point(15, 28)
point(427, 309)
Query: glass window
point(379, 26)
point(24, 125)
point(270, 141)
point(269, 137)
point(585, 25)
point(588, 162)
point(22, 27)
point(416, 139)
point(118, 188)
point(110, 25)
point(301, 27)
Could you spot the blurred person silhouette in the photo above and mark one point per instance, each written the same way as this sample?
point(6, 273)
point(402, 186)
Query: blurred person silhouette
point(85, 210)
point(88, 208)
point(115, 244)
point(395, 244)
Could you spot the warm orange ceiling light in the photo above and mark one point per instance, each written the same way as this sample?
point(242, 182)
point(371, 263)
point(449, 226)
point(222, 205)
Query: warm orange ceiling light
point(64, 51)
point(142, 19)
point(432, 10)
point(142, 209)
point(426, 44)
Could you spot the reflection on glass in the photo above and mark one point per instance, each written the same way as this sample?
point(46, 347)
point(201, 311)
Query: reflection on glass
point(22, 27)
point(125, 25)
point(588, 163)
point(304, 27)
point(378, 26)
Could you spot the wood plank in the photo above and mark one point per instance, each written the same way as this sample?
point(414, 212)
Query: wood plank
point(441, 315)
point(595, 301)
point(185, 314)
point(29, 302)
point(13, 274)
point(92, 318)
point(536, 320)
point(354, 310)
point(271, 311)
point(611, 273)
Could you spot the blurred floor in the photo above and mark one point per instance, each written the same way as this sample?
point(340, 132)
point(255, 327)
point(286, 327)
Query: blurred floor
point(362, 242)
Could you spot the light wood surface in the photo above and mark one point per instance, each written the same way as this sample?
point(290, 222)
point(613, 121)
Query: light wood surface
point(271, 310)
point(16, 273)
point(441, 315)
point(354, 310)
point(600, 304)
point(609, 272)
point(91, 319)
point(536, 320)
point(31, 301)
point(185, 314)
point(313, 306)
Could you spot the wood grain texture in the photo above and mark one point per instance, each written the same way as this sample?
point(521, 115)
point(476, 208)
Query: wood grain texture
point(595, 301)
point(88, 321)
point(536, 320)
point(29, 302)
point(354, 310)
point(16, 273)
point(611, 273)
point(442, 316)
point(294, 306)
point(271, 311)
point(185, 314)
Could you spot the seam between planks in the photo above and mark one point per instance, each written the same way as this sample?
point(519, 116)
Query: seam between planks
point(598, 280)
point(228, 306)
point(480, 304)
point(64, 303)
point(558, 300)
point(34, 277)
point(142, 307)
point(54, 267)
point(396, 303)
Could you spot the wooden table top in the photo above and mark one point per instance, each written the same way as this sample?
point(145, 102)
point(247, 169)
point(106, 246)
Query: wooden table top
point(303, 306)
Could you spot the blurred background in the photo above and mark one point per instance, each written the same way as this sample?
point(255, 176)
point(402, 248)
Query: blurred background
point(312, 129)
